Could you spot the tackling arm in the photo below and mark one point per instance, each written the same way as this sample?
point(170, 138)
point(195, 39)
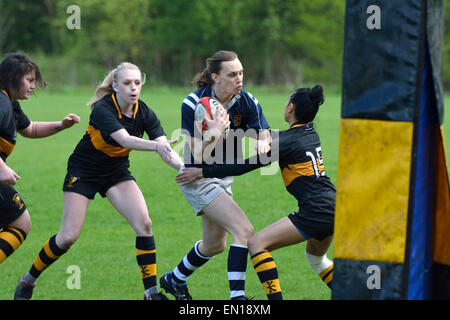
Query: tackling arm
point(45, 129)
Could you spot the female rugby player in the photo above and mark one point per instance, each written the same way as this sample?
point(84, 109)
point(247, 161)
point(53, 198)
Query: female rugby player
point(303, 172)
point(18, 78)
point(100, 164)
point(211, 198)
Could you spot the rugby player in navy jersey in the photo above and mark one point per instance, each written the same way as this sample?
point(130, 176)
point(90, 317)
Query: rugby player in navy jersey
point(211, 198)
point(18, 78)
point(301, 163)
point(99, 164)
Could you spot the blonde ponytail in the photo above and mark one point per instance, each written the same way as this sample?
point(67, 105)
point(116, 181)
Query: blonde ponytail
point(105, 88)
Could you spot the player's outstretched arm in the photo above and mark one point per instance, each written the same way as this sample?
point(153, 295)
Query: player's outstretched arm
point(189, 175)
point(161, 145)
point(172, 158)
point(45, 129)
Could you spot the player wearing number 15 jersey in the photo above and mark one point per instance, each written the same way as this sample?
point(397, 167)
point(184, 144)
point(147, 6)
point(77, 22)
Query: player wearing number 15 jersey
point(300, 160)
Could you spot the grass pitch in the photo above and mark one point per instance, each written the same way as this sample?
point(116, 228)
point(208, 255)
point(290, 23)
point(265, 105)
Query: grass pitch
point(105, 251)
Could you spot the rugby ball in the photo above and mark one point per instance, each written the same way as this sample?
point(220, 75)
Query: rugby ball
point(206, 107)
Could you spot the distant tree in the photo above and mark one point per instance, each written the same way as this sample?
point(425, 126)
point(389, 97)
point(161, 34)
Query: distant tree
point(26, 25)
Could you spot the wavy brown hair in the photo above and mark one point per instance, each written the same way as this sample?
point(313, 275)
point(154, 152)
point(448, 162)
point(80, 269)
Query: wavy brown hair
point(213, 65)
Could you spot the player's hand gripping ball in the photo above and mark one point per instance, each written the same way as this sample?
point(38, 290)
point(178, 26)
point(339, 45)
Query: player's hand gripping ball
point(206, 108)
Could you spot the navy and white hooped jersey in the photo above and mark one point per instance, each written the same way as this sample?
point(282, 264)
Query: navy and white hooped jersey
point(244, 111)
point(12, 119)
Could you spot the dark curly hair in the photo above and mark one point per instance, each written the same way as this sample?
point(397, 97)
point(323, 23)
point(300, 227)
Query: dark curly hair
point(13, 68)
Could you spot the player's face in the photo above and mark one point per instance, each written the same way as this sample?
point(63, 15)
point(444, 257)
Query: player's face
point(129, 85)
point(28, 84)
point(230, 77)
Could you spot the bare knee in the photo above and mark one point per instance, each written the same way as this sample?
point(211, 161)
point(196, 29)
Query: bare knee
point(26, 225)
point(23, 222)
point(65, 240)
point(255, 244)
point(144, 227)
point(243, 234)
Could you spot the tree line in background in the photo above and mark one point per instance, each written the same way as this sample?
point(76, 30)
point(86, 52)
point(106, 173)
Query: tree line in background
point(278, 41)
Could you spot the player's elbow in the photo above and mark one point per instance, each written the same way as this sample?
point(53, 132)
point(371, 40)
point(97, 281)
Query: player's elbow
point(29, 132)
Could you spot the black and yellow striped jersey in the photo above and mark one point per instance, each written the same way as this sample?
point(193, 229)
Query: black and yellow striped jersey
point(12, 119)
point(300, 159)
point(99, 154)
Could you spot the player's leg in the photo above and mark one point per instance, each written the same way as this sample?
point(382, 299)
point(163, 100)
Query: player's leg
point(13, 235)
point(280, 234)
point(129, 201)
point(15, 222)
point(224, 212)
point(316, 256)
point(220, 216)
point(74, 212)
point(213, 242)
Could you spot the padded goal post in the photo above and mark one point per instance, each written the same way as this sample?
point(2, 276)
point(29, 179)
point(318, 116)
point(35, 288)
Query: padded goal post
point(392, 227)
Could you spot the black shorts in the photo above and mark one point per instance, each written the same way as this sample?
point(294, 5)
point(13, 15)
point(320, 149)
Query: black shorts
point(11, 205)
point(313, 225)
point(88, 186)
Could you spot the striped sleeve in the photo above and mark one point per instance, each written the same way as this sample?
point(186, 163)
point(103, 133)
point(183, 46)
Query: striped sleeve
point(187, 113)
point(256, 118)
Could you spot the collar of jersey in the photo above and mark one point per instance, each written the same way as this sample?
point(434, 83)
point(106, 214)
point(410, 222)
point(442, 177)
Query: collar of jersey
point(295, 125)
point(118, 109)
point(5, 93)
point(229, 104)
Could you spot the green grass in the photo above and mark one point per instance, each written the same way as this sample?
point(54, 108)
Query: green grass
point(105, 251)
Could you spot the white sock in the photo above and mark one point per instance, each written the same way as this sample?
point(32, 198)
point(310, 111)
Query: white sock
point(318, 263)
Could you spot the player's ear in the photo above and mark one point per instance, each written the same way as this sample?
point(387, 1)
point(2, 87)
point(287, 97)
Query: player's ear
point(114, 86)
point(291, 107)
point(215, 77)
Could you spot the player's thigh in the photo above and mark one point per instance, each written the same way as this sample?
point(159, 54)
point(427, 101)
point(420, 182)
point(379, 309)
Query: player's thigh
point(129, 201)
point(280, 234)
point(23, 222)
point(226, 213)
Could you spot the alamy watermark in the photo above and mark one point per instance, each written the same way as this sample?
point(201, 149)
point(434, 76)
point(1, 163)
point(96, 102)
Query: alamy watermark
point(373, 22)
point(374, 280)
point(74, 280)
point(74, 20)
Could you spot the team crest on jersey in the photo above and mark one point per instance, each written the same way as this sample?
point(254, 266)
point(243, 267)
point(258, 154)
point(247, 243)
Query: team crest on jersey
point(18, 201)
point(237, 121)
point(72, 181)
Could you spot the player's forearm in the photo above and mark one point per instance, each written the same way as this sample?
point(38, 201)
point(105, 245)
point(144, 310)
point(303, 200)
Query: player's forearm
point(222, 170)
point(42, 129)
point(135, 143)
point(175, 161)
